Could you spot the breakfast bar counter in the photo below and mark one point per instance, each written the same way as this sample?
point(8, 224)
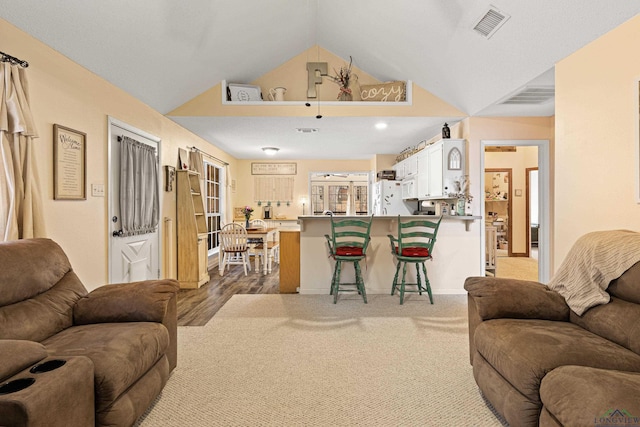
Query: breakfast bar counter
point(457, 255)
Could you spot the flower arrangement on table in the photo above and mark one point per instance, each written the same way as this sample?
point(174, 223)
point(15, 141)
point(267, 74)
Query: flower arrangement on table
point(343, 79)
point(247, 211)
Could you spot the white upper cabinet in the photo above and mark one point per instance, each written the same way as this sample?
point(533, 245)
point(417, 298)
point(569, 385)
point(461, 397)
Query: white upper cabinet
point(399, 168)
point(440, 165)
point(410, 166)
point(435, 172)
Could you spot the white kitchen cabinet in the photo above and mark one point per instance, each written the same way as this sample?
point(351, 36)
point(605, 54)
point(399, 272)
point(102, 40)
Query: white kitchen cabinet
point(399, 168)
point(410, 165)
point(430, 176)
point(407, 168)
point(409, 189)
point(440, 165)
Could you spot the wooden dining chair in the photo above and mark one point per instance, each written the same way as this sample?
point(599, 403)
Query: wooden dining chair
point(414, 244)
point(257, 248)
point(234, 247)
point(348, 243)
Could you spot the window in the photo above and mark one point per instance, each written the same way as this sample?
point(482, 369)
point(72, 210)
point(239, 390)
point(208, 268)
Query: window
point(361, 199)
point(213, 201)
point(317, 199)
point(341, 194)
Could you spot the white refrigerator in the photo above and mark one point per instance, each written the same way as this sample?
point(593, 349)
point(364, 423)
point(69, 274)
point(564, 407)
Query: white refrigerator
point(387, 199)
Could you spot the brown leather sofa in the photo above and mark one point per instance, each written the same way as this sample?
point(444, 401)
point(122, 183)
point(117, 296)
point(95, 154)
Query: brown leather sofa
point(539, 363)
point(72, 358)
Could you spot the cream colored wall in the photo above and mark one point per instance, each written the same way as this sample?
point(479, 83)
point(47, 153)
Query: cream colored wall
point(382, 162)
point(62, 92)
point(293, 75)
point(518, 161)
point(245, 183)
point(597, 140)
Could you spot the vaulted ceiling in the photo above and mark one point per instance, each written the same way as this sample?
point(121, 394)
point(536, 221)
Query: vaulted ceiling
point(166, 52)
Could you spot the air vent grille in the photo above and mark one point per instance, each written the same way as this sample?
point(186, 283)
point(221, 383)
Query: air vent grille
point(307, 130)
point(532, 95)
point(490, 22)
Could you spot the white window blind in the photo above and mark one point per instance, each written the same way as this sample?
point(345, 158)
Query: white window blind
point(271, 189)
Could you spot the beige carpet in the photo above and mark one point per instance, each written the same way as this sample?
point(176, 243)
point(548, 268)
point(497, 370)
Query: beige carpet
point(294, 360)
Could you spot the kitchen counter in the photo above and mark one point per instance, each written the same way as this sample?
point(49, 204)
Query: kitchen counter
point(457, 255)
point(467, 219)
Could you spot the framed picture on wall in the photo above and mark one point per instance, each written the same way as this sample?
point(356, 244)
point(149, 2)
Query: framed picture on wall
point(69, 164)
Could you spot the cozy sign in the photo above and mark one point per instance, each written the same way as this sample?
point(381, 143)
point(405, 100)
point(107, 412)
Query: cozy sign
point(384, 92)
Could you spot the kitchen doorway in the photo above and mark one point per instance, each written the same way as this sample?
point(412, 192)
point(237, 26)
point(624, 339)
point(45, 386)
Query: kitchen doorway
point(498, 208)
point(522, 156)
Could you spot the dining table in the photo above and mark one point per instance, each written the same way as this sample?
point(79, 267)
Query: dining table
point(266, 234)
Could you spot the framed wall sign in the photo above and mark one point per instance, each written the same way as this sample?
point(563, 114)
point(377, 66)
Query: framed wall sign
point(273, 168)
point(69, 164)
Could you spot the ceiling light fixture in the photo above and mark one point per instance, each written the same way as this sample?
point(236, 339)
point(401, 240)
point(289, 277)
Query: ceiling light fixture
point(381, 125)
point(271, 151)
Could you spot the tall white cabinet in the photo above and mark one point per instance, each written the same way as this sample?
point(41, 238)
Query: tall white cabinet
point(440, 165)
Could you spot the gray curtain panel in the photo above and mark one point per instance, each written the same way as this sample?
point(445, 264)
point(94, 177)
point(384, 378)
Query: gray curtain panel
point(139, 197)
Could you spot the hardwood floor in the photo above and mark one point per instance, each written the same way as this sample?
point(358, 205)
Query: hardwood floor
point(197, 306)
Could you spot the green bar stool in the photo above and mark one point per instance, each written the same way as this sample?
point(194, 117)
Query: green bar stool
point(414, 244)
point(348, 243)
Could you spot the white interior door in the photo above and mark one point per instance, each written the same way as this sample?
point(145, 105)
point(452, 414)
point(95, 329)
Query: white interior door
point(131, 258)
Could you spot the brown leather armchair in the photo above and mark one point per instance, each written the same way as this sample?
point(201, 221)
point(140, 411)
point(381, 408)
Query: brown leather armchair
point(72, 358)
point(540, 364)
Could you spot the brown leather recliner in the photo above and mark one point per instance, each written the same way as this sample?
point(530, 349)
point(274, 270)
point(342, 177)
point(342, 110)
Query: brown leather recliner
point(540, 364)
point(72, 358)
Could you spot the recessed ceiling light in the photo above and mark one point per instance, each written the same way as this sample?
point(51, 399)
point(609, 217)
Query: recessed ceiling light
point(381, 125)
point(271, 151)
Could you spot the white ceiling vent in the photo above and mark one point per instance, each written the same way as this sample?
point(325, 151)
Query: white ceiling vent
point(307, 130)
point(490, 22)
point(531, 95)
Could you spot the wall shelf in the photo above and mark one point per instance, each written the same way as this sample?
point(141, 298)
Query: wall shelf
point(314, 102)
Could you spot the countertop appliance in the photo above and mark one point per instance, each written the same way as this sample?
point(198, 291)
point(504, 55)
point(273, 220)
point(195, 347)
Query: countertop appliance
point(387, 199)
point(266, 212)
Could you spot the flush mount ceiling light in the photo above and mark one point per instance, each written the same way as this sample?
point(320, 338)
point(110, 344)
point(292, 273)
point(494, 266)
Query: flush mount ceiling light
point(381, 125)
point(271, 151)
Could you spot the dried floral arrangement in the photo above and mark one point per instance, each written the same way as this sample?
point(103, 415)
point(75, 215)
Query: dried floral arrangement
point(343, 79)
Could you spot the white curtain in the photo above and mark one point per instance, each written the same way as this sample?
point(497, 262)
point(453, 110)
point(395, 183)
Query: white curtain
point(139, 198)
point(21, 211)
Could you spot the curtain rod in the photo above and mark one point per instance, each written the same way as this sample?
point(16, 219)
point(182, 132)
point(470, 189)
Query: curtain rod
point(208, 155)
point(8, 58)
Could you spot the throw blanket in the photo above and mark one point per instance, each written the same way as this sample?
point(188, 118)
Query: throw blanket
point(595, 260)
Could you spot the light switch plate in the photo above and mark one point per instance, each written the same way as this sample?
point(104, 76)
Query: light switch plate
point(97, 190)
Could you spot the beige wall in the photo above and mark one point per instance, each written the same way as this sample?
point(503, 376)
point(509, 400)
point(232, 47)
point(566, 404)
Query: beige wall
point(245, 183)
point(597, 140)
point(62, 92)
point(293, 76)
